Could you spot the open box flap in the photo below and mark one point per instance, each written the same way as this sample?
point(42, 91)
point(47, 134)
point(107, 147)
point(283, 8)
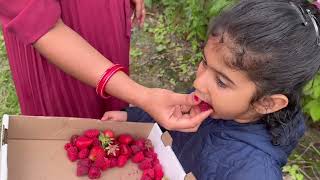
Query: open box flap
point(170, 163)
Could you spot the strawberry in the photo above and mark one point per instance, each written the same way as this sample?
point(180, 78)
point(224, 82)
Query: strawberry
point(122, 160)
point(113, 150)
point(135, 149)
point(67, 145)
point(108, 133)
point(73, 139)
point(82, 170)
point(94, 173)
point(145, 164)
point(113, 162)
point(138, 157)
point(204, 106)
point(84, 162)
point(72, 153)
point(105, 140)
point(92, 133)
point(83, 142)
point(125, 139)
point(125, 150)
point(101, 163)
point(95, 152)
point(83, 153)
point(158, 171)
point(148, 172)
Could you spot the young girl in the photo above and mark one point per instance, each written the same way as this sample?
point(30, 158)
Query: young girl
point(258, 57)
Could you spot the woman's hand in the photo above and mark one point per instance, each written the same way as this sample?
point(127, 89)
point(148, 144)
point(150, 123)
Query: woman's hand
point(139, 12)
point(174, 111)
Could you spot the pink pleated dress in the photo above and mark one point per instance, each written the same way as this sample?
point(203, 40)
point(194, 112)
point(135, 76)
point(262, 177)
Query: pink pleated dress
point(42, 88)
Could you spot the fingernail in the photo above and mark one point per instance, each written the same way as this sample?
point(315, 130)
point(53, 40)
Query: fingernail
point(196, 98)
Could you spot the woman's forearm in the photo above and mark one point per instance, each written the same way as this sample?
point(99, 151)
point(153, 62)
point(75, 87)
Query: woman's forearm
point(67, 50)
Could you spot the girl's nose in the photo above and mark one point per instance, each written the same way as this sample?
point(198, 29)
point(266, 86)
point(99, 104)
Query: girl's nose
point(200, 83)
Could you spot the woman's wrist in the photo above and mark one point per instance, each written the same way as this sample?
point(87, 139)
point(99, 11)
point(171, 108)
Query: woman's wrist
point(121, 86)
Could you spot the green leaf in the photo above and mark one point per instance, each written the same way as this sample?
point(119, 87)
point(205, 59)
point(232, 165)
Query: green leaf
point(148, 3)
point(315, 111)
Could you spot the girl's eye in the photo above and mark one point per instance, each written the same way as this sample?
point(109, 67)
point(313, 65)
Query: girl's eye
point(220, 83)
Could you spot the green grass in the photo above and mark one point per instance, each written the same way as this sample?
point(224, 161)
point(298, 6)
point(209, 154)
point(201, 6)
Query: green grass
point(8, 98)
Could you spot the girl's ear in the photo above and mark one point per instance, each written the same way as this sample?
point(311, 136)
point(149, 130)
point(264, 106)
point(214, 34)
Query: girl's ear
point(271, 103)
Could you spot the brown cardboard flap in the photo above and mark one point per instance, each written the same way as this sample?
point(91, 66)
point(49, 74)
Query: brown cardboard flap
point(166, 139)
point(62, 128)
point(47, 160)
point(190, 176)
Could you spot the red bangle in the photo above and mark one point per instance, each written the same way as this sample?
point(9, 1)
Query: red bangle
point(106, 76)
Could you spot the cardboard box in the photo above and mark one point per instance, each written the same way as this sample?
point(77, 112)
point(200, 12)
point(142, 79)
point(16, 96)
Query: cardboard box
point(33, 148)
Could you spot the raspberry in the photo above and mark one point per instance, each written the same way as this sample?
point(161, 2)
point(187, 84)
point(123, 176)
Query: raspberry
point(84, 162)
point(84, 153)
point(122, 160)
point(72, 153)
point(148, 172)
point(138, 157)
point(94, 173)
point(82, 170)
point(145, 164)
point(67, 145)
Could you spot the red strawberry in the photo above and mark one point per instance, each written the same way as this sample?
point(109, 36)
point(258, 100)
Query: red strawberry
point(83, 142)
point(108, 133)
point(94, 173)
point(204, 106)
point(158, 171)
point(125, 139)
point(122, 160)
point(72, 153)
point(95, 152)
point(96, 142)
point(67, 145)
point(113, 162)
point(84, 162)
point(138, 157)
point(135, 149)
point(84, 153)
point(148, 172)
point(73, 139)
point(92, 133)
point(101, 163)
point(125, 150)
point(145, 164)
point(82, 170)
point(113, 150)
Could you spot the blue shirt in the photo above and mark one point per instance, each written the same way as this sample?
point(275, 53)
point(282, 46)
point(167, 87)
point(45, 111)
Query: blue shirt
point(227, 150)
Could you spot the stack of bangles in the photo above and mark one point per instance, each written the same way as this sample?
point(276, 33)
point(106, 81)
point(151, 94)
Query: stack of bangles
point(106, 76)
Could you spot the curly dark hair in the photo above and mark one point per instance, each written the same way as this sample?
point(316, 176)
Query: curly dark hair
point(278, 53)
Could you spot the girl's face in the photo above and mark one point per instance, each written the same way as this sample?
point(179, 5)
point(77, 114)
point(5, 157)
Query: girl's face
point(227, 90)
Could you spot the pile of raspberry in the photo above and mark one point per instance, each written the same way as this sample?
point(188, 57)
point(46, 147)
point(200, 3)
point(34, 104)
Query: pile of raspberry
point(96, 151)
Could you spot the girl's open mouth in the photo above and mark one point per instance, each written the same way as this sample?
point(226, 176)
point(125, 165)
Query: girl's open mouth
point(204, 106)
